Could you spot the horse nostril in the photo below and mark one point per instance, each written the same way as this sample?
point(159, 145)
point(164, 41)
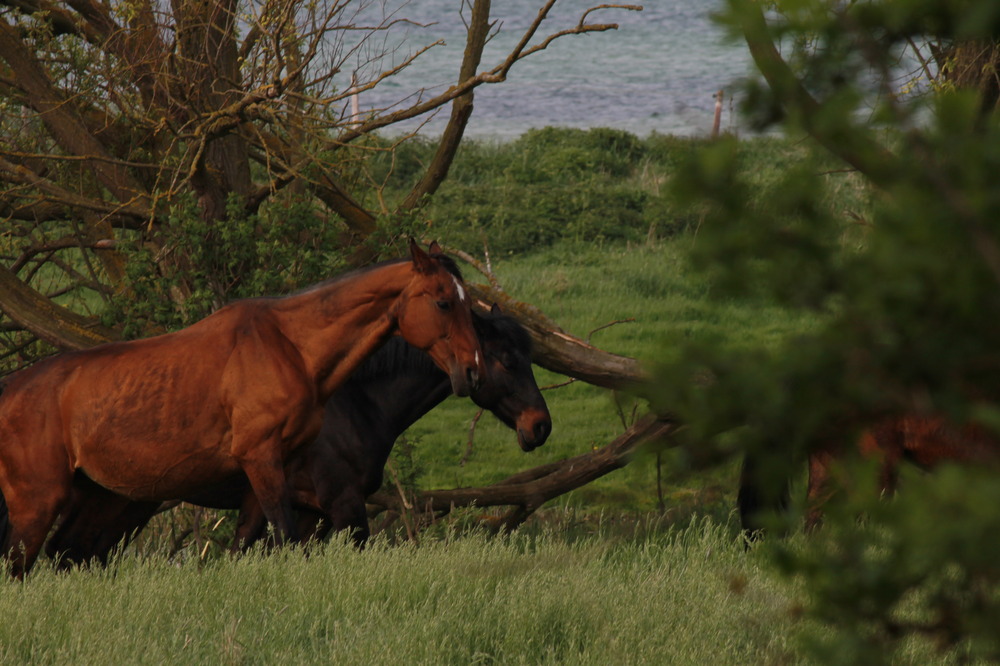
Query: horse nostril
point(542, 430)
point(473, 378)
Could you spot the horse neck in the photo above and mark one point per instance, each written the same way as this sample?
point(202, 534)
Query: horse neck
point(336, 325)
point(366, 416)
point(425, 391)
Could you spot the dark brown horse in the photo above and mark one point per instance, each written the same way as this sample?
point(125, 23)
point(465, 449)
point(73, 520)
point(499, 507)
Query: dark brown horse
point(926, 441)
point(238, 392)
point(332, 476)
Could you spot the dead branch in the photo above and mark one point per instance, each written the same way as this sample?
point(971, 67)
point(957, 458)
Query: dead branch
point(530, 489)
point(628, 320)
point(53, 323)
point(472, 437)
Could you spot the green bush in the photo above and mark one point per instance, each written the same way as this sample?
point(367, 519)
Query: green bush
point(599, 185)
point(283, 246)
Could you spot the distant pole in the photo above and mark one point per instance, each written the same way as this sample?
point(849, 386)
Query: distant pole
point(355, 103)
point(718, 115)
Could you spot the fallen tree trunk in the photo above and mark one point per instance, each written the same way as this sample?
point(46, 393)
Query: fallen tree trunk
point(558, 351)
point(526, 491)
point(554, 348)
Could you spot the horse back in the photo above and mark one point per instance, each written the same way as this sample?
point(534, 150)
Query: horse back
point(130, 410)
point(930, 441)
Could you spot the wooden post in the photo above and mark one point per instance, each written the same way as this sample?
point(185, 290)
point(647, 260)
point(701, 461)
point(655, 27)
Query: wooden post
point(718, 115)
point(355, 102)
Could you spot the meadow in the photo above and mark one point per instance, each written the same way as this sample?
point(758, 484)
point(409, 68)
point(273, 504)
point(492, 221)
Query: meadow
point(669, 597)
point(579, 224)
point(582, 224)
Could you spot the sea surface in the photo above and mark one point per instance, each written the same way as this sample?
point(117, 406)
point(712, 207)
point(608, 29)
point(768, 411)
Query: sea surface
point(658, 71)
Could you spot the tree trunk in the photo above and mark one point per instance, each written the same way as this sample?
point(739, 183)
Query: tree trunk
point(973, 65)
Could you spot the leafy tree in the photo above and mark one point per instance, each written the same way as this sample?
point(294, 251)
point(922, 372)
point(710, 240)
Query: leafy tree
point(159, 159)
point(905, 295)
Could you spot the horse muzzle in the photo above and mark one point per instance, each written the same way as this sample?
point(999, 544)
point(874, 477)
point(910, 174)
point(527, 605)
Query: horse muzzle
point(532, 432)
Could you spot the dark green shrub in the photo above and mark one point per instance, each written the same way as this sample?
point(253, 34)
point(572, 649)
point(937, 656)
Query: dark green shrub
point(556, 154)
point(284, 246)
point(522, 218)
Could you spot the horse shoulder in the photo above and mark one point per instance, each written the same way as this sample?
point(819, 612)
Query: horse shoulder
point(264, 374)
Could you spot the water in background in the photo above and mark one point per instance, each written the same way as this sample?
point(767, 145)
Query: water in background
point(658, 72)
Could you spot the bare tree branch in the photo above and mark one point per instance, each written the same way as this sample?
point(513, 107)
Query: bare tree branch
point(461, 110)
point(530, 489)
point(57, 325)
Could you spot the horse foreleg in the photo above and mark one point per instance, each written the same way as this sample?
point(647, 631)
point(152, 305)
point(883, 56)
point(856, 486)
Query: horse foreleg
point(819, 487)
point(95, 522)
point(885, 443)
point(31, 512)
point(311, 521)
point(267, 479)
point(128, 523)
point(250, 524)
point(349, 513)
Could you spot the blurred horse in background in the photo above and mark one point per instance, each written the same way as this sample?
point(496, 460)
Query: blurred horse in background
point(926, 441)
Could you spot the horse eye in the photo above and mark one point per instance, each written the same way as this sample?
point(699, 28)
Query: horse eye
point(444, 305)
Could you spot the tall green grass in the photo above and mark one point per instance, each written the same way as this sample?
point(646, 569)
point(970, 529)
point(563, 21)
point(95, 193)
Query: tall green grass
point(594, 592)
point(682, 597)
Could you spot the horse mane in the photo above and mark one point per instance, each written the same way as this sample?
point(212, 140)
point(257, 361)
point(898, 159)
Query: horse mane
point(396, 355)
point(491, 326)
point(449, 265)
point(446, 262)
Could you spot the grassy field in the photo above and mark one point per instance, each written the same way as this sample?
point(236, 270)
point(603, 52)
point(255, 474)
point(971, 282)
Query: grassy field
point(654, 296)
point(668, 597)
point(580, 226)
point(569, 594)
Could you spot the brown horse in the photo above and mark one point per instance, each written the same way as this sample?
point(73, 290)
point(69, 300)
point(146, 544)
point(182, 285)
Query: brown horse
point(239, 391)
point(332, 476)
point(925, 440)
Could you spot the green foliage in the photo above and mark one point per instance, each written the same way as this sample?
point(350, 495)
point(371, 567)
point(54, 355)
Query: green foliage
point(905, 295)
point(918, 569)
point(550, 184)
point(596, 185)
point(283, 246)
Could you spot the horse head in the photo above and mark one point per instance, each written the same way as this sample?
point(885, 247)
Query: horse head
point(435, 316)
point(509, 389)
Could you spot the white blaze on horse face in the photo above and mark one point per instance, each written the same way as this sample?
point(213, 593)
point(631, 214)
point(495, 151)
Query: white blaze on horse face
point(458, 286)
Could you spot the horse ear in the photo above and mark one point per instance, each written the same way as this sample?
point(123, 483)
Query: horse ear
point(495, 310)
point(421, 260)
point(434, 248)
